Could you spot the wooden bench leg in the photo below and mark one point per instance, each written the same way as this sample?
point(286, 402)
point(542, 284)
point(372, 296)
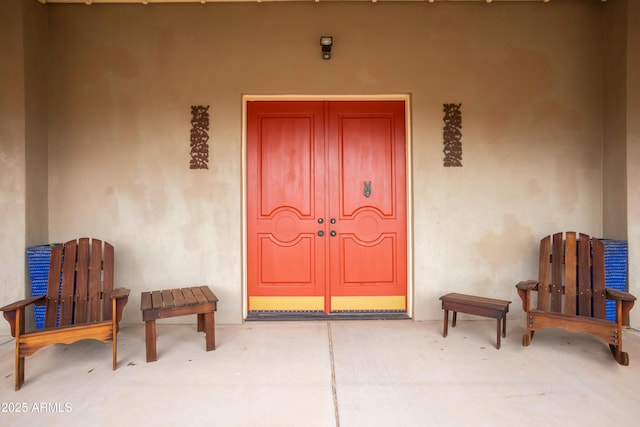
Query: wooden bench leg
point(201, 322)
point(445, 326)
point(453, 321)
point(209, 329)
point(504, 326)
point(150, 338)
point(498, 322)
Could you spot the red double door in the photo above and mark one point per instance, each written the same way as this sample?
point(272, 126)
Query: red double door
point(326, 206)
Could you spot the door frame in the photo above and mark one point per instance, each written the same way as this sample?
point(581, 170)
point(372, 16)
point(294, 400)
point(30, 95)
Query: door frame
point(408, 172)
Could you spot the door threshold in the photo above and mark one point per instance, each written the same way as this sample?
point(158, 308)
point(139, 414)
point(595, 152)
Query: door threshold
point(253, 316)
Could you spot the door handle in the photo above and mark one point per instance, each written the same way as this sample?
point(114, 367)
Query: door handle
point(320, 220)
point(332, 220)
point(320, 233)
point(333, 233)
point(367, 189)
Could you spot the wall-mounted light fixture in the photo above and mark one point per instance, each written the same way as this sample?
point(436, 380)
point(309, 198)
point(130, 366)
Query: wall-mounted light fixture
point(326, 42)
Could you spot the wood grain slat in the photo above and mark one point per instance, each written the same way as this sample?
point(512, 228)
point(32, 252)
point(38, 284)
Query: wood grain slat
point(106, 271)
point(570, 270)
point(200, 298)
point(167, 298)
point(599, 281)
point(156, 299)
point(53, 288)
point(209, 294)
point(188, 296)
point(94, 280)
point(68, 283)
point(82, 282)
point(178, 298)
point(584, 276)
point(543, 277)
point(555, 289)
point(145, 301)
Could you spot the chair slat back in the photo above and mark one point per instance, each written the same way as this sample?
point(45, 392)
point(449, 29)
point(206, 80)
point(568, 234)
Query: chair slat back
point(67, 290)
point(543, 276)
point(52, 301)
point(570, 272)
point(107, 280)
point(94, 282)
point(584, 276)
point(80, 312)
point(557, 259)
point(599, 280)
point(572, 275)
point(80, 278)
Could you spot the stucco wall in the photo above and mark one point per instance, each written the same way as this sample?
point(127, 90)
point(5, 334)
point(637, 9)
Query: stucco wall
point(633, 150)
point(615, 119)
point(12, 152)
point(36, 122)
point(123, 78)
point(23, 142)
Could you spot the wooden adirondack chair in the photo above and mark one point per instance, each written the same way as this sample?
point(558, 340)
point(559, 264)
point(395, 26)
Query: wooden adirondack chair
point(572, 293)
point(80, 302)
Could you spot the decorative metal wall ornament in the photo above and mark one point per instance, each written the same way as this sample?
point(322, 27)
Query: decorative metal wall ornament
point(199, 137)
point(452, 135)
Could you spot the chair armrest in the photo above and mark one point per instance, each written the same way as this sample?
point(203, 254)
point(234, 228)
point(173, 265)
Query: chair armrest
point(22, 303)
point(621, 295)
point(11, 312)
point(119, 299)
point(119, 293)
point(528, 285)
point(524, 292)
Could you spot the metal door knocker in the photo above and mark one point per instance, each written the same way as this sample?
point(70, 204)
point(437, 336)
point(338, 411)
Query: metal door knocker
point(367, 189)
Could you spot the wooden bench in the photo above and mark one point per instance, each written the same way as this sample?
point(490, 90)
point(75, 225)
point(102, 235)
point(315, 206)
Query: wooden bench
point(479, 306)
point(168, 303)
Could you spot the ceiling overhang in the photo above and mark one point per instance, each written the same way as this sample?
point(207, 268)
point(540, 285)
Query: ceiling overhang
point(89, 2)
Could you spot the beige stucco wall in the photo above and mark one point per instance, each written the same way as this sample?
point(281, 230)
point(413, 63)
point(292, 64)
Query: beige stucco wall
point(23, 141)
point(36, 123)
point(121, 80)
point(615, 119)
point(12, 152)
point(633, 149)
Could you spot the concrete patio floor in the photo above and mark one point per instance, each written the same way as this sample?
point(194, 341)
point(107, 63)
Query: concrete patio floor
point(326, 374)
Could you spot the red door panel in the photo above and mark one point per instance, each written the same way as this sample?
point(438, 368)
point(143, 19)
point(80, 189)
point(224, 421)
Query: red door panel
point(368, 254)
point(285, 151)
